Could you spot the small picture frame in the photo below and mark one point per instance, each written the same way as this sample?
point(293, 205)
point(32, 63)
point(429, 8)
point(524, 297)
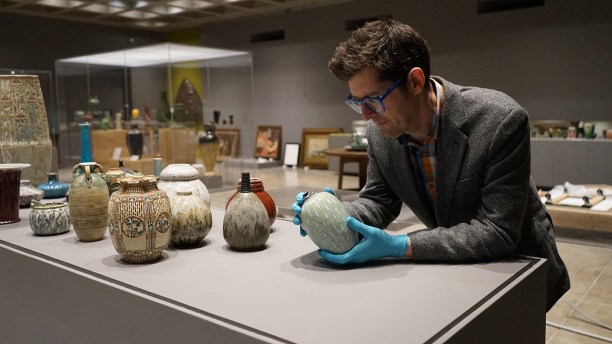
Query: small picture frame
point(314, 143)
point(228, 143)
point(268, 141)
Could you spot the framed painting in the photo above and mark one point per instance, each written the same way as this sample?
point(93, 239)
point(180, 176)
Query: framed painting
point(268, 141)
point(314, 143)
point(228, 143)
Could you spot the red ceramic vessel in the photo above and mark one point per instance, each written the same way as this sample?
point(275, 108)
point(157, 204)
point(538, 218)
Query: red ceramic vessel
point(257, 188)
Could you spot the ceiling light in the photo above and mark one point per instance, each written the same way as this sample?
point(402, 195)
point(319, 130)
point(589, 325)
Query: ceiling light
point(191, 4)
point(138, 14)
point(99, 8)
point(60, 3)
point(161, 9)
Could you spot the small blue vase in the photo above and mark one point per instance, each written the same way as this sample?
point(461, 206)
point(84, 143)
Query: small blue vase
point(85, 142)
point(54, 188)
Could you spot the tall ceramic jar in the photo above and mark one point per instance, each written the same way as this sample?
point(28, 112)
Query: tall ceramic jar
point(182, 176)
point(257, 188)
point(191, 218)
point(88, 201)
point(246, 225)
point(139, 219)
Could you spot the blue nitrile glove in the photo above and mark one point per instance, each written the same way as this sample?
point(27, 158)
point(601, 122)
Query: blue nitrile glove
point(297, 208)
point(375, 244)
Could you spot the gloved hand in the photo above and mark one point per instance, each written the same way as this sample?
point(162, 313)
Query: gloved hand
point(375, 244)
point(297, 208)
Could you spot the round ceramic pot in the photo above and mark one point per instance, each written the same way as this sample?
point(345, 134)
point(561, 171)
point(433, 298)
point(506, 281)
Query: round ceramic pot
point(49, 218)
point(191, 218)
point(246, 225)
point(53, 188)
point(324, 220)
point(88, 201)
point(139, 219)
point(182, 176)
point(28, 193)
point(257, 188)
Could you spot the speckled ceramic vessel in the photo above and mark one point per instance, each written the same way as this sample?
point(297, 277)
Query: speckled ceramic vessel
point(324, 220)
point(182, 176)
point(139, 219)
point(191, 218)
point(28, 193)
point(246, 225)
point(49, 218)
point(257, 188)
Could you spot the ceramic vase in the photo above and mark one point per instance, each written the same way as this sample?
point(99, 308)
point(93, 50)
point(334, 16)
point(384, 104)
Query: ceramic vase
point(10, 175)
point(112, 175)
point(191, 218)
point(85, 131)
point(246, 225)
point(257, 188)
point(209, 148)
point(324, 220)
point(88, 201)
point(28, 193)
point(182, 176)
point(49, 218)
point(139, 219)
point(53, 188)
point(24, 129)
point(135, 141)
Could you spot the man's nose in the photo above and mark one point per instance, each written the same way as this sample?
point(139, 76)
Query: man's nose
point(366, 112)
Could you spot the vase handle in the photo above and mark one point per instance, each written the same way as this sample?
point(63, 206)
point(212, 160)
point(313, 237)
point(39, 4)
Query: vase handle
point(97, 167)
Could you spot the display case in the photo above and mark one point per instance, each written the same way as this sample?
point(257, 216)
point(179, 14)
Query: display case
point(164, 92)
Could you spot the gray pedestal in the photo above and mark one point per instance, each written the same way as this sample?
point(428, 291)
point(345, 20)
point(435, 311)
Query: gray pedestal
point(212, 182)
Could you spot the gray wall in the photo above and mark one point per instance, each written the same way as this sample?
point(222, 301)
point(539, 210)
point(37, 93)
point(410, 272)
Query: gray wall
point(553, 59)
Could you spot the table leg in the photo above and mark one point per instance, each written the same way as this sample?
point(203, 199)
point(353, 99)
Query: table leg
point(340, 173)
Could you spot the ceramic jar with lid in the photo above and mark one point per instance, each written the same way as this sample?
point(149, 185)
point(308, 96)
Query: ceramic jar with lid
point(49, 218)
point(182, 176)
point(191, 218)
point(28, 193)
point(257, 188)
point(139, 219)
point(88, 201)
point(324, 220)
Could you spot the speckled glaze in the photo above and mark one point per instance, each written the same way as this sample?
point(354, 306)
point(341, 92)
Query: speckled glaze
point(28, 193)
point(139, 219)
point(246, 225)
point(257, 188)
point(49, 218)
point(88, 201)
point(182, 176)
point(191, 218)
point(324, 220)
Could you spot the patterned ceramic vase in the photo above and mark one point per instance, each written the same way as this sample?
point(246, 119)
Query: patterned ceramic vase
point(88, 201)
point(257, 188)
point(139, 219)
point(246, 225)
point(191, 218)
point(324, 220)
point(28, 193)
point(49, 218)
point(182, 176)
point(53, 188)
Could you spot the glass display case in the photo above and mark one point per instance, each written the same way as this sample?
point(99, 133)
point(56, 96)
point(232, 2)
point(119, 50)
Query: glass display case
point(164, 93)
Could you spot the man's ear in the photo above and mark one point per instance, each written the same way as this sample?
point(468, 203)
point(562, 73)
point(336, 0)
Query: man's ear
point(416, 80)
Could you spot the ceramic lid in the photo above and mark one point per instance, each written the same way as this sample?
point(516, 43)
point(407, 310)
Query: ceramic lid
point(179, 172)
point(13, 166)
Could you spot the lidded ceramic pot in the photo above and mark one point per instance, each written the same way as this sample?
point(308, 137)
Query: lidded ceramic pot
point(182, 176)
point(191, 218)
point(324, 220)
point(53, 188)
point(49, 218)
point(139, 219)
point(257, 188)
point(28, 193)
point(246, 225)
point(88, 201)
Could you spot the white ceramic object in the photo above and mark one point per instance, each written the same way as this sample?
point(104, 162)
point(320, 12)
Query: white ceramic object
point(191, 218)
point(182, 176)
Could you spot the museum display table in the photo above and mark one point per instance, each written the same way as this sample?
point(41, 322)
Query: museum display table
point(58, 289)
point(346, 156)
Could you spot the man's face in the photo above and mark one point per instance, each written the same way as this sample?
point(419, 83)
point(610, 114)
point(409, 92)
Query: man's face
point(400, 107)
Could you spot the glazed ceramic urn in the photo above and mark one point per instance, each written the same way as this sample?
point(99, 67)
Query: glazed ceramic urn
point(182, 176)
point(49, 218)
point(53, 188)
point(88, 201)
point(139, 219)
point(191, 218)
point(246, 225)
point(257, 188)
point(324, 220)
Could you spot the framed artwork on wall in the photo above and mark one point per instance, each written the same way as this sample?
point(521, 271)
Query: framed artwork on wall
point(228, 143)
point(292, 154)
point(314, 143)
point(268, 141)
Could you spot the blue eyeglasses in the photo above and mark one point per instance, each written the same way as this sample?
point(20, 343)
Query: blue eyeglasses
point(373, 103)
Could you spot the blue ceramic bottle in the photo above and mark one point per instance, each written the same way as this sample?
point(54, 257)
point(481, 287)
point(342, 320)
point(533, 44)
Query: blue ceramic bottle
point(85, 142)
point(53, 188)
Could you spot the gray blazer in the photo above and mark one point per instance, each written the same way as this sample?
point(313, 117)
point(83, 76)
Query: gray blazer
point(487, 204)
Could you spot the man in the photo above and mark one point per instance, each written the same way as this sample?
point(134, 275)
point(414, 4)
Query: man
point(458, 156)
